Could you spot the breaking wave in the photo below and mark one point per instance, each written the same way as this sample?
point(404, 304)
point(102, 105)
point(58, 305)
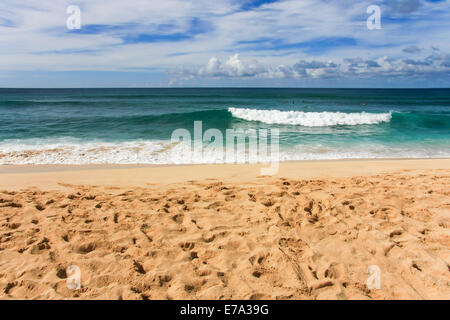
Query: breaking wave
point(310, 119)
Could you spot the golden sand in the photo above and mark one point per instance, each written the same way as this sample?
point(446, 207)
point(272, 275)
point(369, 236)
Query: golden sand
point(224, 232)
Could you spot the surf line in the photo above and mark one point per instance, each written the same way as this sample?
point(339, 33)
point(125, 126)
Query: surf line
point(258, 147)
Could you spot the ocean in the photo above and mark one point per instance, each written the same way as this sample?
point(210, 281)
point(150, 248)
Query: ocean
point(134, 126)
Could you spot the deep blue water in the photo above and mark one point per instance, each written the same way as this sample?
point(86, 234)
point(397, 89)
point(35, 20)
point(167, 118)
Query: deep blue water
point(135, 125)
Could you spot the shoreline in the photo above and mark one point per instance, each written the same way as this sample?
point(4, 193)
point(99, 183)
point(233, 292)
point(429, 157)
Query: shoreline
point(54, 176)
point(30, 168)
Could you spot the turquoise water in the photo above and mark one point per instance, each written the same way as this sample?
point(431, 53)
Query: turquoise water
point(75, 126)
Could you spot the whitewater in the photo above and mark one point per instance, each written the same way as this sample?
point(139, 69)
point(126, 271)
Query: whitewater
point(310, 119)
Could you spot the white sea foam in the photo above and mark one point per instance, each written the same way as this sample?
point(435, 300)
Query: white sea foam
point(310, 119)
point(75, 151)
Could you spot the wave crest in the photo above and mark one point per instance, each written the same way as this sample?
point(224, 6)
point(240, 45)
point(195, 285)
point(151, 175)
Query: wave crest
point(310, 119)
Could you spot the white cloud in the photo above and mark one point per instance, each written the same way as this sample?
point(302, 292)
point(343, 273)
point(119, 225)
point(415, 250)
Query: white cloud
point(38, 41)
point(235, 67)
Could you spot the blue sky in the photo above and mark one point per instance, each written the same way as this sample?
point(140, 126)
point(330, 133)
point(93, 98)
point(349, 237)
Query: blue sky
point(264, 43)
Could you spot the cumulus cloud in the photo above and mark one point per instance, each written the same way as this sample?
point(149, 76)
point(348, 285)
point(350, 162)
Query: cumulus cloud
point(235, 67)
point(315, 69)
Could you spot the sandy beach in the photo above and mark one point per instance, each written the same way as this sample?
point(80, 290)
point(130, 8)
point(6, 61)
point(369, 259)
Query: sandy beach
point(226, 232)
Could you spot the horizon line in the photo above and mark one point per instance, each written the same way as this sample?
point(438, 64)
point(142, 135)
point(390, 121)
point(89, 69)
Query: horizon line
point(340, 88)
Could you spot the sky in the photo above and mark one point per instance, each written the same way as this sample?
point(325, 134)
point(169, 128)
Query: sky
point(226, 43)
